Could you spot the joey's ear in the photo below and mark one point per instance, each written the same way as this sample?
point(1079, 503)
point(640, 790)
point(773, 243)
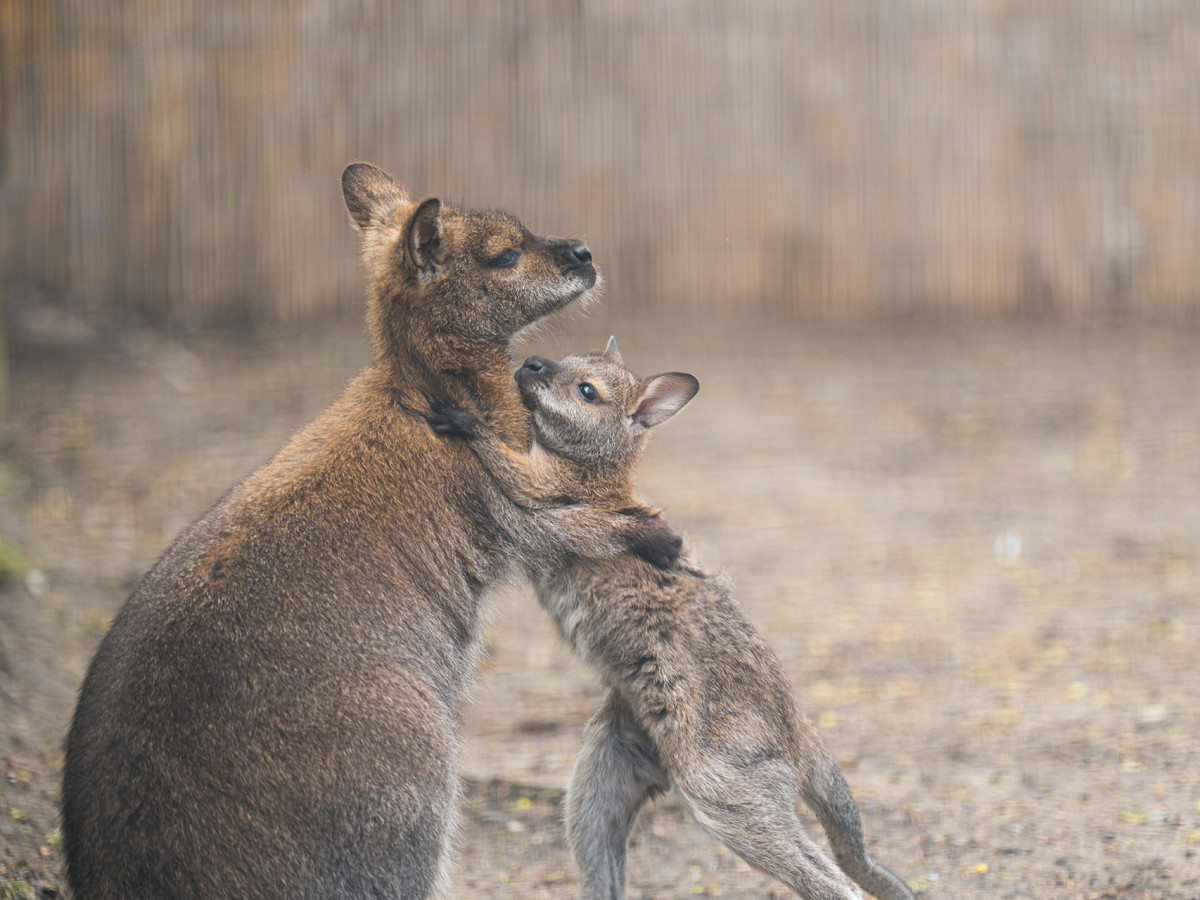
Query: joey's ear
point(424, 239)
point(662, 396)
point(373, 197)
point(612, 353)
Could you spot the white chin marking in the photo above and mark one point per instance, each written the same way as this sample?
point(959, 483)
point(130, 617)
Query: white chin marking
point(573, 294)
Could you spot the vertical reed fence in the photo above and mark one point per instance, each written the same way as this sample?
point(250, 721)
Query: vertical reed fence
point(178, 160)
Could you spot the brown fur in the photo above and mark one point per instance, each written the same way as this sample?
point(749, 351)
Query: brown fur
point(696, 698)
point(275, 711)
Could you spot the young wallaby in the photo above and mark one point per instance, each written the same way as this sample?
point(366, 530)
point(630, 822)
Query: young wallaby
point(275, 712)
point(696, 697)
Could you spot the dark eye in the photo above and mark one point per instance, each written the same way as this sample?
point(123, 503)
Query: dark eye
point(506, 260)
point(588, 393)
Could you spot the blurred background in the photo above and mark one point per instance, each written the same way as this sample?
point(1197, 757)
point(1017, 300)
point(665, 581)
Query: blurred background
point(936, 267)
point(178, 162)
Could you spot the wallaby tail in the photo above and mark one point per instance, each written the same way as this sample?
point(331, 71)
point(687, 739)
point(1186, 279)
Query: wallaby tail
point(828, 796)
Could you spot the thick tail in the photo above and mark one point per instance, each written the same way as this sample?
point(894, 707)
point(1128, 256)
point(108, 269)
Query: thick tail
point(828, 796)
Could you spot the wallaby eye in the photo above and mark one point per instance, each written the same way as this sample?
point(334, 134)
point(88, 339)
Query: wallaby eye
point(588, 393)
point(506, 260)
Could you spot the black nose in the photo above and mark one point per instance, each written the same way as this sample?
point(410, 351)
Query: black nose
point(539, 366)
point(580, 253)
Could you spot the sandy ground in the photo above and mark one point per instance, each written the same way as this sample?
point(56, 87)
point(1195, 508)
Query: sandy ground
point(977, 551)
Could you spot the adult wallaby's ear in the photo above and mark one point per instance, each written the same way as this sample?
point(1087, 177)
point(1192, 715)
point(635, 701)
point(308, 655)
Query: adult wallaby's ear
point(372, 196)
point(662, 396)
point(424, 240)
point(612, 353)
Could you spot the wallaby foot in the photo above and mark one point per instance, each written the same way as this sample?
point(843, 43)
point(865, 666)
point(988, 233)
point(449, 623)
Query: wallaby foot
point(616, 772)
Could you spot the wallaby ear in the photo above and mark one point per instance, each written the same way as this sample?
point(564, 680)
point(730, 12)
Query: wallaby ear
point(372, 195)
point(612, 353)
point(424, 240)
point(662, 396)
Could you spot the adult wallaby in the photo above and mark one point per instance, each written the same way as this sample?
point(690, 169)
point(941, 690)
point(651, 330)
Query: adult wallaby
point(696, 697)
point(275, 710)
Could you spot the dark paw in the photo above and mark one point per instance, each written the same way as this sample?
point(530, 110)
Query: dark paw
point(652, 539)
point(448, 419)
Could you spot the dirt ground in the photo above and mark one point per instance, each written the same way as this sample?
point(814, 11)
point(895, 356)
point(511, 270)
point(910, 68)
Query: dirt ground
point(976, 550)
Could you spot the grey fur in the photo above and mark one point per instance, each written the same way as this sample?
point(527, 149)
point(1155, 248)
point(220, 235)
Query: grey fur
point(697, 701)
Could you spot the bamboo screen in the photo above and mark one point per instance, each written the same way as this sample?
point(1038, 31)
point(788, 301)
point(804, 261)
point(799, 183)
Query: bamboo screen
point(179, 159)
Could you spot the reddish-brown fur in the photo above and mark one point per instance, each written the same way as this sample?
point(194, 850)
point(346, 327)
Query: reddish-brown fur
point(275, 710)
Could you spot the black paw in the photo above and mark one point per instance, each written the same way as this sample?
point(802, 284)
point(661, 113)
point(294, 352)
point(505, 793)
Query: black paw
point(653, 540)
point(448, 419)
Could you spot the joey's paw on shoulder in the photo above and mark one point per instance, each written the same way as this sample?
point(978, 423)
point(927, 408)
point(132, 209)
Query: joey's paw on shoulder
point(447, 418)
point(651, 538)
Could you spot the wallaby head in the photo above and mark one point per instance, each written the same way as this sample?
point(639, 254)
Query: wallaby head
point(593, 411)
point(443, 278)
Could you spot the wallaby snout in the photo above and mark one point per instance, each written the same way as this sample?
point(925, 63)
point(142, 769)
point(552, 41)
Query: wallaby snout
point(536, 370)
point(574, 260)
point(538, 367)
point(579, 255)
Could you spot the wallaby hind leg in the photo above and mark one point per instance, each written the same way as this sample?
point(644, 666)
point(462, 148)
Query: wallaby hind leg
point(751, 809)
point(616, 772)
point(826, 793)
